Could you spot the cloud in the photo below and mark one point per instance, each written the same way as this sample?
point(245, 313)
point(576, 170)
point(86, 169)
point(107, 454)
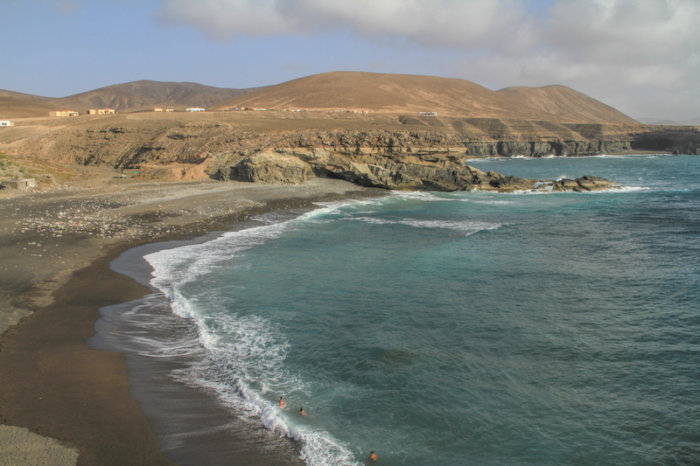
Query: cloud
point(641, 46)
point(442, 23)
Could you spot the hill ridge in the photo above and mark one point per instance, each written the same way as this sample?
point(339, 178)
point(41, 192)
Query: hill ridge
point(338, 90)
point(407, 93)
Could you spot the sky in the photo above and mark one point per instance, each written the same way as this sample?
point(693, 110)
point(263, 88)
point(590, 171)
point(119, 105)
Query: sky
point(639, 56)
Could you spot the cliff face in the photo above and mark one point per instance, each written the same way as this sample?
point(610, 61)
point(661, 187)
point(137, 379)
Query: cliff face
point(403, 172)
point(389, 152)
point(377, 159)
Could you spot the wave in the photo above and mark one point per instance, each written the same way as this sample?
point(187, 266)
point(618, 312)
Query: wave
point(468, 227)
point(241, 358)
point(418, 196)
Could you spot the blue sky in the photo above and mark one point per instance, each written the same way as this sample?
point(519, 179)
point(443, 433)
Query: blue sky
point(640, 56)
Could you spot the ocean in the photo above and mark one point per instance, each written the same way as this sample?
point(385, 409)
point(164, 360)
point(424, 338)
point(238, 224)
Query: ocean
point(451, 328)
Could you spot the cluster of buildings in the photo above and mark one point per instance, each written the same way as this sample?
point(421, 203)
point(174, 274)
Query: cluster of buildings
point(73, 113)
point(110, 111)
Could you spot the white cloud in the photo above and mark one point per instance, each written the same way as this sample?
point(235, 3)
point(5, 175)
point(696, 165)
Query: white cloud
point(451, 23)
point(640, 49)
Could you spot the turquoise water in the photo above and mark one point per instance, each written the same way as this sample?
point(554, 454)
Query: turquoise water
point(463, 328)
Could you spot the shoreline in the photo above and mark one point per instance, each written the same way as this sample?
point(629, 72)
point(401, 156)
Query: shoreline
point(54, 385)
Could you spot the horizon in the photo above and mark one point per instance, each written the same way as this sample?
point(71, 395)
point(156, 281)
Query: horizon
point(638, 57)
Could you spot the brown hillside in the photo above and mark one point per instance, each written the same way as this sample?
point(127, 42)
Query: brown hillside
point(139, 95)
point(568, 105)
point(18, 105)
point(132, 96)
point(394, 93)
point(384, 93)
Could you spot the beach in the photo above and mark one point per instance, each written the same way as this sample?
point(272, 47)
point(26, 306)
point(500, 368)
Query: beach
point(61, 401)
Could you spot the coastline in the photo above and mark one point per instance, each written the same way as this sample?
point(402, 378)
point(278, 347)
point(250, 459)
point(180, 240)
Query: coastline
point(57, 275)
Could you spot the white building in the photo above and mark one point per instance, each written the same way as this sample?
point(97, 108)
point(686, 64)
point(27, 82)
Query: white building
point(64, 113)
point(195, 109)
point(6, 123)
point(101, 111)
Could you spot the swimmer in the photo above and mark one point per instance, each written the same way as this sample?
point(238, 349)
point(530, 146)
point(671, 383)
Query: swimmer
point(282, 403)
point(302, 412)
point(372, 456)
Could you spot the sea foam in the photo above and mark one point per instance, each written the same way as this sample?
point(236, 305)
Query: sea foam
point(243, 361)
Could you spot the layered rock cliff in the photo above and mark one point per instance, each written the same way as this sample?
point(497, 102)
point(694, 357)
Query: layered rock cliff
point(400, 152)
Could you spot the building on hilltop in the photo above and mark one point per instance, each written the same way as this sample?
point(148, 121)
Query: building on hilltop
point(64, 113)
point(101, 111)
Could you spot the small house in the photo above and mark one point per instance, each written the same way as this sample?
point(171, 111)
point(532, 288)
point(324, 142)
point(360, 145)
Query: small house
point(21, 185)
point(101, 111)
point(64, 113)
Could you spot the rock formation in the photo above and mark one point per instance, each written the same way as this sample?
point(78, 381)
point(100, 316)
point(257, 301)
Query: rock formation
point(406, 172)
point(393, 152)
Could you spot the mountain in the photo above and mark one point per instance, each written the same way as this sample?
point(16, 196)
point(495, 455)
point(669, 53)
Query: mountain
point(373, 92)
point(18, 105)
point(568, 105)
point(395, 93)
point(132, 96)
point(382, 93)
point(140, 95)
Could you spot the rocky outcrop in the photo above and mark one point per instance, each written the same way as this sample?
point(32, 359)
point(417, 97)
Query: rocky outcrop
point(583, 184)
point(389, 152)
point(407, 172)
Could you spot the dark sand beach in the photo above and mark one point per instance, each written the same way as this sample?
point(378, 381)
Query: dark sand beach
point(63, 401)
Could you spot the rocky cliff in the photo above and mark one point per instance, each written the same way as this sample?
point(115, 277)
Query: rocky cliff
point(389, 152)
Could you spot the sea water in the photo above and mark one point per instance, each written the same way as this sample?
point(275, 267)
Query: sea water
point(461, 328)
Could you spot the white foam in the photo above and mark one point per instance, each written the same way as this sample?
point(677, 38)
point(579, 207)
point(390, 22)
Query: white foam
point(468, 227)
point(632, 189)
point(418, 195)
point(242, 357)
point(484, 202)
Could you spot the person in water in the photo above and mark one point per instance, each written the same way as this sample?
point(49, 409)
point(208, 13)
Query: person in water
point(282, 403)
point(302, 412)
point(372, 456)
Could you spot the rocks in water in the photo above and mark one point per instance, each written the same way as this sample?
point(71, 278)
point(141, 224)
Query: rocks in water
point(584, 183)
point(434, 172)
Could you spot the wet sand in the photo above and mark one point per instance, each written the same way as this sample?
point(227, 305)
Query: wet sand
point(55, 250)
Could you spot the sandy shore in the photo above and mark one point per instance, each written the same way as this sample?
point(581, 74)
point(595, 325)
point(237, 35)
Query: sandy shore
point(62, 402)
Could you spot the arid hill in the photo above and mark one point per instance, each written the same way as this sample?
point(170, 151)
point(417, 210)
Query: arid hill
point(138, 95)
point(132, 96)
point(394, 93)
point(566, 104)
point(337, 91)
point(18, 105)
